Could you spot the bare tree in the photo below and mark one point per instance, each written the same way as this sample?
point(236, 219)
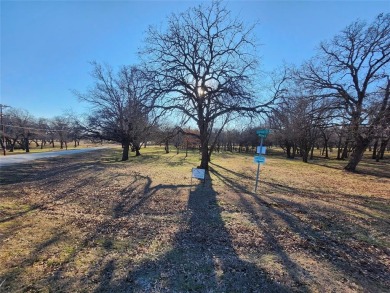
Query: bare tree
point(121, 106)
point(62, 128)
point(351, 67)
point(205, 65)
point(381, 123)
point(75, 127)
point(20, 128)
point(42, 132)
point(296, 123)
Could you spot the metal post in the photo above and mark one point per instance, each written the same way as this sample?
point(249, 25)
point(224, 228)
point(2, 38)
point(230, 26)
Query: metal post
point(257, 175)
point(258, 165)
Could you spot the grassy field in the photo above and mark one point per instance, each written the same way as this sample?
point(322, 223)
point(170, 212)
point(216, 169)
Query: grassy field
point(91, 223)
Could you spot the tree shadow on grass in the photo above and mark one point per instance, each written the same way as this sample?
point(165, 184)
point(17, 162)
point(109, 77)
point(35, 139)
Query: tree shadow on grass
point(366, 167)
point(54, 176)
point(202, 258)
point(356, 259)
point(47, 169)
point(14, 274)
point(294, 270)
point(375, 203)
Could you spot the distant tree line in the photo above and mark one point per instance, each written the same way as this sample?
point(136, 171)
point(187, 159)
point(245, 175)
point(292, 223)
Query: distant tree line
point(298, 134)
point(21, 129)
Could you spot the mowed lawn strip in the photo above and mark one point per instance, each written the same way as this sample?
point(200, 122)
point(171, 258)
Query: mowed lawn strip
point(91, 223)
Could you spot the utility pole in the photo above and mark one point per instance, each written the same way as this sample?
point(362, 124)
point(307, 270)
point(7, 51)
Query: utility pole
point(1, 117)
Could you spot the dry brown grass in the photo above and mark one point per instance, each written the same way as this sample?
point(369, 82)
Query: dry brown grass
point(90, 223)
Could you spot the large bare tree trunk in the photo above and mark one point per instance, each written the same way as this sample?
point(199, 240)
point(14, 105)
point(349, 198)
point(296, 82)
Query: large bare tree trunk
point(288, 151)
point(27, 145)
point(357, 154)
point(381, 151)
point(374, 149)
point(305, 154)
point(204, 147)
point(326, 148)
point(166, 146)
point(339, 149)
point(125, 152)
point(312, 153)
point(137, 150)
point(344, 154)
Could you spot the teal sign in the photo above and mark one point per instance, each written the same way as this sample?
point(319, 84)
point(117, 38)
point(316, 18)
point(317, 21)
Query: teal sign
point(263, 132)
point(259, 159)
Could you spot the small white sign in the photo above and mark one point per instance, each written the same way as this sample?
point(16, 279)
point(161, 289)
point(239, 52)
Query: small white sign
point(198, 173)
point(261, 150)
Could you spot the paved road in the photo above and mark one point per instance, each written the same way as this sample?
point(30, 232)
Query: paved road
point(22, 158)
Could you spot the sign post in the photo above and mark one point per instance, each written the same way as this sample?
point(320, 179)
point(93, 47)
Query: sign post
point(262, 133)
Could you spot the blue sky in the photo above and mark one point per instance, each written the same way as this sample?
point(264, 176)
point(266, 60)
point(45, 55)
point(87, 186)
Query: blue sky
point(46, 46)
